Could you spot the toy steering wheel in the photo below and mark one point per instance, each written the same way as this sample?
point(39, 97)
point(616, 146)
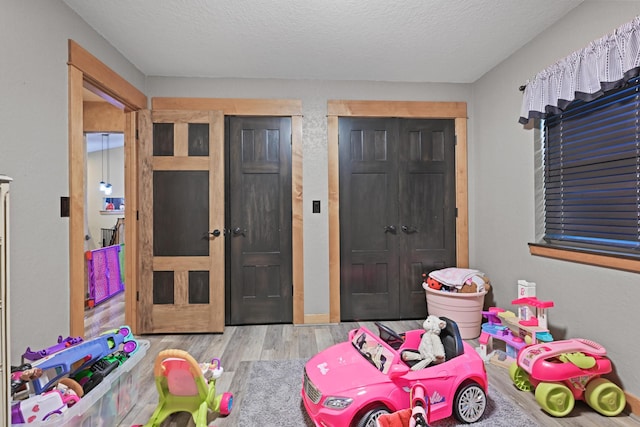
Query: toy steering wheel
point(389, 336)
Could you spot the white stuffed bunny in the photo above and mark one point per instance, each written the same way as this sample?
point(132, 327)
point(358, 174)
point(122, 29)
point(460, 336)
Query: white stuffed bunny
point(431, 349)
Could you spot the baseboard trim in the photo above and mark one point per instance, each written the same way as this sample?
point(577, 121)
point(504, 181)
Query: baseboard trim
point(316, 318)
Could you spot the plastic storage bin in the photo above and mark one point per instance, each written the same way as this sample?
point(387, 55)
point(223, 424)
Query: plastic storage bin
point(463, 308)
point(109, 402)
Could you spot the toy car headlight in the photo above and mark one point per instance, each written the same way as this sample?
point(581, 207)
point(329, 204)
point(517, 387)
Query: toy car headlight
point(337, 402)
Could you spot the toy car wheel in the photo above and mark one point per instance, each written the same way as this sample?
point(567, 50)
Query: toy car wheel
point(130, 347)
point(226, 403)
point(469, 403)
point(125, 331)
point(520, 377)
point(605, 397)
point(369, 419)
point(555, 398)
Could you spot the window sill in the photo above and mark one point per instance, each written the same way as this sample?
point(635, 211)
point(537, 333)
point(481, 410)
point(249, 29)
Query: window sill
point(585, 257)
point(112, 212)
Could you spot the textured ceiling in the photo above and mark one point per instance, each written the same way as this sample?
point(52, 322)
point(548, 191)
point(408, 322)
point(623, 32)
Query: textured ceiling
point(382, 40)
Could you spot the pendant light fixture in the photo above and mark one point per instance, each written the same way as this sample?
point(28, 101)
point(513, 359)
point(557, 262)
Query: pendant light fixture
point(108, 189)
point(103, 185)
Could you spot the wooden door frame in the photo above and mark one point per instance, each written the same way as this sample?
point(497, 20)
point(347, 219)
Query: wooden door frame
point(265, 107)
point(400, 109)
point(87, 71)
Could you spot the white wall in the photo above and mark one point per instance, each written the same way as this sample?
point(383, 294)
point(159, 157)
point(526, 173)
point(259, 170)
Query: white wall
point(314, 95)
point(590, 302)
point(34, 151)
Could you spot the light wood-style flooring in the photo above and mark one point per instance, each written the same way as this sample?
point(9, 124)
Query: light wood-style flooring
point(278, 342)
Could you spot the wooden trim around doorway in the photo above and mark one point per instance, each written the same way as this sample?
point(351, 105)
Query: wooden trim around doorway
point(403, 109)
point(265, 107)
point(105, 82)
point(76, 205)
point(85, 71)
point(232, 106)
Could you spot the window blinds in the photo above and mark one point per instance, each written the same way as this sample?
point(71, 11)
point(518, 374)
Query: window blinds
point(592, 173)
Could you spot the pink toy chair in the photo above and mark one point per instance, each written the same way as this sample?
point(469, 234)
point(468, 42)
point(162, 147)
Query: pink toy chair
point(182, 387)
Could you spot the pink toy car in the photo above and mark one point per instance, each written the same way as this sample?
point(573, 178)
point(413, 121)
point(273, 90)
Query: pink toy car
point(565, 371)
point(354, 382)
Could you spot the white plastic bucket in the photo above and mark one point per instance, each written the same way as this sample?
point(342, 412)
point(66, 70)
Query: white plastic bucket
point(463, 308)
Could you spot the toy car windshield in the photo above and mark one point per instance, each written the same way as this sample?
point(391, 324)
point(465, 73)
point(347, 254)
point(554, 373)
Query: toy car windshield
point(373, 350)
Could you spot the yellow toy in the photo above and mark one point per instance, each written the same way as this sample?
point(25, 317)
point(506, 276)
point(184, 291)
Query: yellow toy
point(183, 386)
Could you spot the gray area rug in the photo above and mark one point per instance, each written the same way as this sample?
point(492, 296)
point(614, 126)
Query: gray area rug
point(273, 400)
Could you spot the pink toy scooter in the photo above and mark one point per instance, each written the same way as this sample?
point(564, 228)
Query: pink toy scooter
point(563, 371)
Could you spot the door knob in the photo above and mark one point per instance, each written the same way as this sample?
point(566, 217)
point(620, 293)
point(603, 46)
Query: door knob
point(239, 231)
point(409, 229)
point(390, 229)
point(215, 232)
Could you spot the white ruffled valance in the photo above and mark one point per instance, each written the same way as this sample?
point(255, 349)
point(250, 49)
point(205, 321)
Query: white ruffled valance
point(605, 64)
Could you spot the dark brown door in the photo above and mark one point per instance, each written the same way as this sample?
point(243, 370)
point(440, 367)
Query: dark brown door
point(181, 221)
point(259, 282)
point(397, 213)
point(368, 218)
point(427, 207)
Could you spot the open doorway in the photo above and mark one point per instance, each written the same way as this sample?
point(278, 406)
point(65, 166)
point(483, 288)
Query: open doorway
point(104, 228)
point(87, 73)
